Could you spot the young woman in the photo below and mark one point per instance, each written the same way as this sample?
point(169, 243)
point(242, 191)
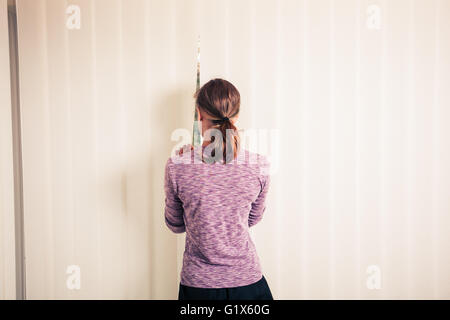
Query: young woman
point(216, 202)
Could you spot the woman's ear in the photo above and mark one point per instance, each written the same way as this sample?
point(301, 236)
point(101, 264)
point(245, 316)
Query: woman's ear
point(200, 116)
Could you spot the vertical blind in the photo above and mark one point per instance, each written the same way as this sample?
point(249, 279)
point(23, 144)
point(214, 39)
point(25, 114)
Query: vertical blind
point(348, 97)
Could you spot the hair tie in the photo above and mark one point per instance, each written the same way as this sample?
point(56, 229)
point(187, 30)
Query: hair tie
point(219, 121)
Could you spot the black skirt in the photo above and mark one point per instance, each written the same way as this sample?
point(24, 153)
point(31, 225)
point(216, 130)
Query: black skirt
point(256, 291)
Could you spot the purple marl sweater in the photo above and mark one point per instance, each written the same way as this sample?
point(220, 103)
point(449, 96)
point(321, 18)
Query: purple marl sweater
point(216, 204)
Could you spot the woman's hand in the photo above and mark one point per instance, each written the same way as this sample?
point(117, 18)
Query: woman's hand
point(184, 148)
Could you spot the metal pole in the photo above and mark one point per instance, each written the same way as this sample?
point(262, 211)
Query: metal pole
point(17, 152)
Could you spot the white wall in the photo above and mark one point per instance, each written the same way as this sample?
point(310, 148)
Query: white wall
point(363, 157)
point(7, 253)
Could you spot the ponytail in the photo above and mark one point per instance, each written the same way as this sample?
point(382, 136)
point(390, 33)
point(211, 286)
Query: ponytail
point(231, 141)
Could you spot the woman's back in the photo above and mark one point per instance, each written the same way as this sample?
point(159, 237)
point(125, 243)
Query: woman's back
point(216, 204)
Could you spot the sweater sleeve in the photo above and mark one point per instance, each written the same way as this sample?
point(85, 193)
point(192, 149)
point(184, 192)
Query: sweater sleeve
point(173, 211)
point(259, 205)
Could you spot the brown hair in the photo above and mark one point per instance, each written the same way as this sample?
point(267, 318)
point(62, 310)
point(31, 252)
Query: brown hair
point(221, 100)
